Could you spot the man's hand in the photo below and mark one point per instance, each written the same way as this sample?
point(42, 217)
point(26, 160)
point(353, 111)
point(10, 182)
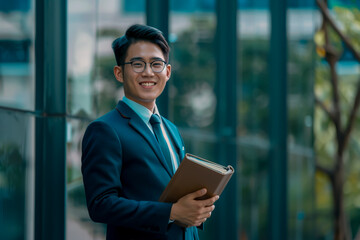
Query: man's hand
point(193, 212)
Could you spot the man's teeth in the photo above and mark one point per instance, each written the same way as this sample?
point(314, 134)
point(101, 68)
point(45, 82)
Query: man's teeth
point(147, 84)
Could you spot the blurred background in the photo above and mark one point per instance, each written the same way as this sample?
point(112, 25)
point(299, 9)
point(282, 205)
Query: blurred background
point(242, 92)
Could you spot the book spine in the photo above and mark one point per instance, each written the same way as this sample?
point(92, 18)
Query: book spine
point(222, 184)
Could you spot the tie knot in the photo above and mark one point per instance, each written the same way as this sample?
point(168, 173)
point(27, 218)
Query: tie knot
point(155, 119)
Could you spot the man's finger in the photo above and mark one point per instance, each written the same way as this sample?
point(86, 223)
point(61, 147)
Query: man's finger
point(205, 215)
point(210, 201)
point(198, 193)
point(208, 209)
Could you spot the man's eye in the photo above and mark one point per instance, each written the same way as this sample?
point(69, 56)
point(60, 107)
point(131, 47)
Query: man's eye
point(137, 65)
point(157, 64)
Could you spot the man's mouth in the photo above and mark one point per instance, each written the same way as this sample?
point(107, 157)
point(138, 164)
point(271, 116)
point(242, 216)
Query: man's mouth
point(147, 84)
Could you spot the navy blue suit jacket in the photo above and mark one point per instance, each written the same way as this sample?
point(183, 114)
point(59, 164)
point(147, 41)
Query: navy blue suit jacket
point(124, 174)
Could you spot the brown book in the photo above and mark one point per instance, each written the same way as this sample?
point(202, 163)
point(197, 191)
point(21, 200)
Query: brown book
point(195, 173)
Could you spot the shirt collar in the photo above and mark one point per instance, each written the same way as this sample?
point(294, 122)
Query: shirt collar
point(156, 111)
point(143, 112)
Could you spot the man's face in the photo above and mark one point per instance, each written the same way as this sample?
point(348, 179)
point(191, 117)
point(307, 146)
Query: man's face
point(144, 87)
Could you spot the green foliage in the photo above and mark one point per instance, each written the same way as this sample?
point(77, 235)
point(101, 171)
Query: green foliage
point(12, 191)
point(324, 130)
point(12, 168)
point(192, 95)
point(107, 91)
point(254, 102)
point(349, 19)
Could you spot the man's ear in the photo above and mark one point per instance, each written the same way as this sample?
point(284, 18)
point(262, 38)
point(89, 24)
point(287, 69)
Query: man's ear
point(118, 72)
point(168, 72)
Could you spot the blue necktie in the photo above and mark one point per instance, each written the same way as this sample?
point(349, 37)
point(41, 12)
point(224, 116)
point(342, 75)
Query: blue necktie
point(155, 123)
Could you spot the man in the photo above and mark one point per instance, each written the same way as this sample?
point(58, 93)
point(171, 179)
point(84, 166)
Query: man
point(130, 154)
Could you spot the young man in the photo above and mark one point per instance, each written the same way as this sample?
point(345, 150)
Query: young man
point(131, 153)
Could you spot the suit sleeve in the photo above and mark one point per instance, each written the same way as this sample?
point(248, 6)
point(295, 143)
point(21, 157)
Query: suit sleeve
point(101, 168)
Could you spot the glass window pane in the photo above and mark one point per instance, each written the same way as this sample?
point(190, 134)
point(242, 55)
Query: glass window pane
point(92, 90)
point(253, 183)
point(17, 54)
point(78, 223)
point(16, 175)
point(92, 26)
point(192, 96)
point(301, 62)
point(253, 119)
point(191, 87)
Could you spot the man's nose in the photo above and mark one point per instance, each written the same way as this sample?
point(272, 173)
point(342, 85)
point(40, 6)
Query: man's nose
point(148, 70)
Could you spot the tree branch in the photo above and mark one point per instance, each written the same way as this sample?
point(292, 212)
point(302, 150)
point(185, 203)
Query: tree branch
point(336, 100)
point(345, 39)
point(343, 137)
point(332, 57)
point(325, 171)
point(351, 120)
point(325, 109)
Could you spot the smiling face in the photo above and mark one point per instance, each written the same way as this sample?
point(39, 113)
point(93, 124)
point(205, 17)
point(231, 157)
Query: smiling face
point(144, 87)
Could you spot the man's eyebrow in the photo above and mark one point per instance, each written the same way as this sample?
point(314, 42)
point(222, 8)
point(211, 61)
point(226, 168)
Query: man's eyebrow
point(136, 58)
point(157, 58)
point(152, 59)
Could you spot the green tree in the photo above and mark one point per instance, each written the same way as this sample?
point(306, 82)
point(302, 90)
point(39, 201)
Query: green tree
point(338, 98)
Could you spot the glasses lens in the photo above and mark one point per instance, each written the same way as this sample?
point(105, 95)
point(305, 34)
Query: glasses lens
point(138, 66)
point(157, 66)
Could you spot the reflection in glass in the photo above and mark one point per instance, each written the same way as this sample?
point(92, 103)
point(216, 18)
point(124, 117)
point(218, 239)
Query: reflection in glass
point(192, 98)
point(253, 118)
point(301, 199)
point(253, 124)
point(191, 87)
point(16, 175)
point(17, 54)
point(92, 88)
point(78, 223)
point(254, 189)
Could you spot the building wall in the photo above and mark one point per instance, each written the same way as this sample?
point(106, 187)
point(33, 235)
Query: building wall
point(215, 114)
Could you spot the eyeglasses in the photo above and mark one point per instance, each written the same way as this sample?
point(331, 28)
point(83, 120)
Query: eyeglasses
point(139, 66)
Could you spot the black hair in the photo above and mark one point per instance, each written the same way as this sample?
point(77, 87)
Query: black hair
point(137, 33)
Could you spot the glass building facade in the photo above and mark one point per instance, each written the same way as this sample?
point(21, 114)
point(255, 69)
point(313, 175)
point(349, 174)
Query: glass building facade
point(241, 93)
point(17, 131)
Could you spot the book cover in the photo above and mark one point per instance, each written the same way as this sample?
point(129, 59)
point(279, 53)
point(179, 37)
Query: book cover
point(195, 173)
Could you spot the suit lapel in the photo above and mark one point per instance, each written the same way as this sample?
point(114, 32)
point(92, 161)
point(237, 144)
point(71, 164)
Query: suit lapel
point(139, 126)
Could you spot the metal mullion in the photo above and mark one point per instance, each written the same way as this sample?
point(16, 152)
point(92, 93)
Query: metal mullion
point(50, 149)
point(226, 78)
point(277, 216)
point(157, 15)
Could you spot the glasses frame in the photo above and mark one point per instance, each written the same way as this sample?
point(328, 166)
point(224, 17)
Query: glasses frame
point(145, 64)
